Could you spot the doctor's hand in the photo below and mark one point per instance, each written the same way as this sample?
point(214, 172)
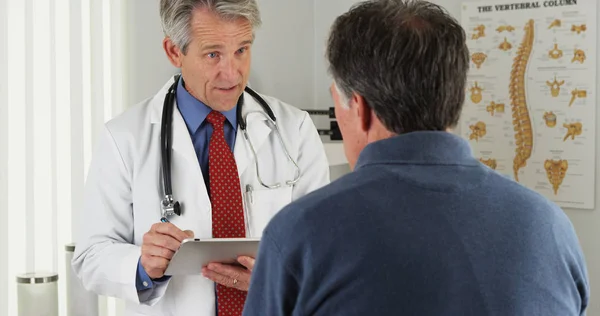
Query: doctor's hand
point(159, 246)
point(231, 275)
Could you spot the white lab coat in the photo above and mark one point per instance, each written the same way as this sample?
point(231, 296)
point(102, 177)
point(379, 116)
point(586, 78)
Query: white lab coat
point(124, 189)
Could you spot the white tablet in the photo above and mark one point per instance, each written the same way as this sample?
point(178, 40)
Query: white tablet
point(194, 253)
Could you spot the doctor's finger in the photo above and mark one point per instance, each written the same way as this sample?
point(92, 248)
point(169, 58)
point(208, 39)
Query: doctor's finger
point(225, 280)
point(170, 230)
point(160, 240)
point(229, 271)
point(247, 262)
point(156, 251)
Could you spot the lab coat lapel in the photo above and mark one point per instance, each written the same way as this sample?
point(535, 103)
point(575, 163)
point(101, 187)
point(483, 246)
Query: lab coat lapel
point(258, 131)
point(182, 141)
point(184, 153)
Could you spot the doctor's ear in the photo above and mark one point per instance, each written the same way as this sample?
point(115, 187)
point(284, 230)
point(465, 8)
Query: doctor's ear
point(173, 52)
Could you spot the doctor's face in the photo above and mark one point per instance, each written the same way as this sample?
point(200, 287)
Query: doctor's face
point(217, 62)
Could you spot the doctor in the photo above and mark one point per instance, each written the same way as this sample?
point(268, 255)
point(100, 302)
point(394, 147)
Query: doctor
point(234, 158)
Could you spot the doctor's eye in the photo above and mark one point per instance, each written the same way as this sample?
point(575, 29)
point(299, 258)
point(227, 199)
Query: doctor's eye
point(242, 50)
point(213, 55)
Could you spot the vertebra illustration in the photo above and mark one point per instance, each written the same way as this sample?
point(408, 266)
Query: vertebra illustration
point(555, 86)
point(573, 129)
point(578, 28)
point(476, 93)
point(505, 45)
point(555, 23)
point(550, 119)
point(480, 29)
point(503, 28)
point(477, 131)
point(556, 171)
point(555, 53)
point(489, 162)
point(495, 107)
point(478, 59)
point(577, 94)
point(579, 56)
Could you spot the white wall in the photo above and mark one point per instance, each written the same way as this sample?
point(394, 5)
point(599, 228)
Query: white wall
point(148, 68)
point(325, 14)
point(282, 56)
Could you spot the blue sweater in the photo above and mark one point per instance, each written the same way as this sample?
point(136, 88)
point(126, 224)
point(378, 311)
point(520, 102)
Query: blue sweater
point(420, 228)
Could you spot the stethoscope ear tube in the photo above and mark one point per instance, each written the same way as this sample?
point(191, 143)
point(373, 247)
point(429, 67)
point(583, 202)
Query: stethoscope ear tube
point(166, 137)
point(168, 206)
point(262, 103)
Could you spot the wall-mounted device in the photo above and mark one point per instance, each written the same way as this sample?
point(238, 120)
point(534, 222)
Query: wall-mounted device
point(334, 131)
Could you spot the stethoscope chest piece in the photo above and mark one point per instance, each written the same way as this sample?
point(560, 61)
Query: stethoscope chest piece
point(169, 208)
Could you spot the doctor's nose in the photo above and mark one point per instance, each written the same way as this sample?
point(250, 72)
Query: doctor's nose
point(229, 69)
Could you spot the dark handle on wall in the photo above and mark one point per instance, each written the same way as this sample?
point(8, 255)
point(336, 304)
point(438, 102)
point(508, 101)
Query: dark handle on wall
point(334, 131)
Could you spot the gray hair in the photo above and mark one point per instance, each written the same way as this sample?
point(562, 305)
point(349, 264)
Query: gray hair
point(344, 96)
point(408, 59)
point(176, 16)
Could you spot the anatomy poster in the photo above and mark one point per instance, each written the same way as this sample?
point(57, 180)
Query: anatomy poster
point(530, 106)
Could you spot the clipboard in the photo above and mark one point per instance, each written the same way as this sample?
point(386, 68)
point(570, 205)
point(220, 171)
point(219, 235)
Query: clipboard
point(195, 253)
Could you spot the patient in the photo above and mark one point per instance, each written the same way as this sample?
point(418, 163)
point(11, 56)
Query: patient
point(420, 227)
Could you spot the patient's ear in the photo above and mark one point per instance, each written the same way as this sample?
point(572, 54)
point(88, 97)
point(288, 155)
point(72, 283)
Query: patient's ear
point(364, 112)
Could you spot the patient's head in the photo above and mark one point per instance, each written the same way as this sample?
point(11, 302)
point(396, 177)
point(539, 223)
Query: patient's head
point(398, 66)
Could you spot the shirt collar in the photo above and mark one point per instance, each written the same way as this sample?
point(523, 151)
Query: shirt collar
point(194, 111)
point(423, 148)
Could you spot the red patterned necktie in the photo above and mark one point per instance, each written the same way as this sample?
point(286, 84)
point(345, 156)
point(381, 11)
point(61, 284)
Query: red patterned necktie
point(227, 207)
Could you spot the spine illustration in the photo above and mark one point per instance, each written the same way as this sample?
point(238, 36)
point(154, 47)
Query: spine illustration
point(521, 119)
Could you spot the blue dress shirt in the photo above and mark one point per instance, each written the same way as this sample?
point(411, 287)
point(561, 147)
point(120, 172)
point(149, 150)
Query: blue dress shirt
point(194, 114)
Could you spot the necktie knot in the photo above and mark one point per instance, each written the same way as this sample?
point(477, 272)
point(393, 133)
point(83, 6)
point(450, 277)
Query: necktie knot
point(215, 118)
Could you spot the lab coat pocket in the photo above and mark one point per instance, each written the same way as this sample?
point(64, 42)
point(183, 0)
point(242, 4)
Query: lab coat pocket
point(263, 204)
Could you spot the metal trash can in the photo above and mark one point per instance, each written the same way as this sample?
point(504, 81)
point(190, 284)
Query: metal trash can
point(79, 300)
point(37, 294)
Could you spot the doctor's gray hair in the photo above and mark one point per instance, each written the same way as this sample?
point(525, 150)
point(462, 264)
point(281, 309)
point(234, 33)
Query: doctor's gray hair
point(408, 59)
point(176, 16)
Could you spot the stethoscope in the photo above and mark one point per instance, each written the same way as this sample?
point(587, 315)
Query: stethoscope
point(169, 206)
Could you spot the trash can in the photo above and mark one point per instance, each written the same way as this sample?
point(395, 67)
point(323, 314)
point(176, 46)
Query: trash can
point(79, 300)
point(37, 294)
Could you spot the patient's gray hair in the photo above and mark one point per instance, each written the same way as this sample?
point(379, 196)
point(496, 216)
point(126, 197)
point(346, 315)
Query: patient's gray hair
point(176, 16)
point(408, 59)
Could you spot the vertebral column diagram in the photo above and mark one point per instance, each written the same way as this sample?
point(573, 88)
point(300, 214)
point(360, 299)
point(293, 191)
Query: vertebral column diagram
point(521, 120)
